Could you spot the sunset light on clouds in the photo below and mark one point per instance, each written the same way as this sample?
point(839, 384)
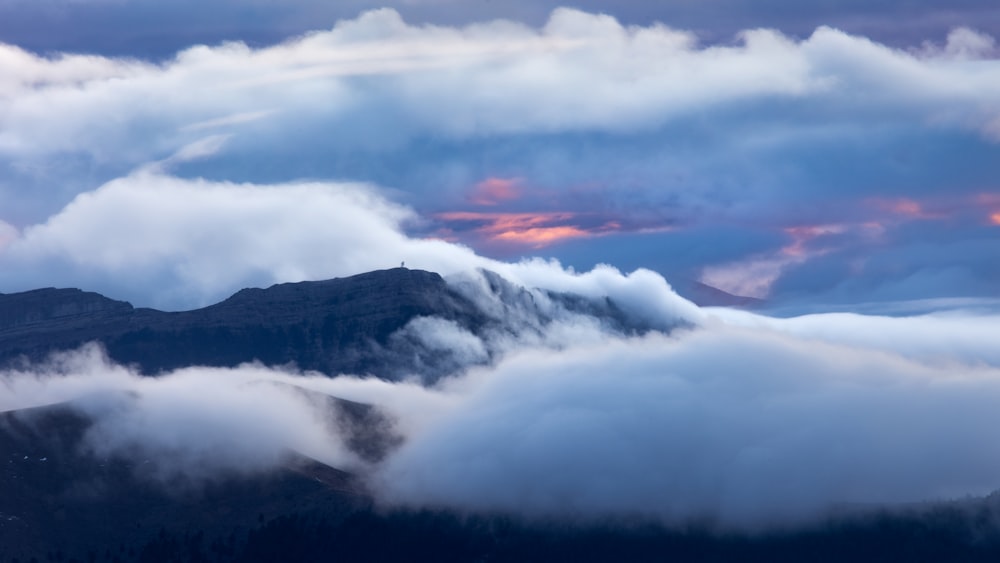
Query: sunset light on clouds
point(719, 265)
point(493, 191)
point(647, 136)
point(535, 230)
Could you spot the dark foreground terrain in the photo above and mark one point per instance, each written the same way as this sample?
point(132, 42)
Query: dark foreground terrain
point(60, 503)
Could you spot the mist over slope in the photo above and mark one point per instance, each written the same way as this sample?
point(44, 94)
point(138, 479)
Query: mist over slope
point(559, 411)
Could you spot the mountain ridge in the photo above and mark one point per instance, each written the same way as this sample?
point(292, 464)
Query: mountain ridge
point(355, 324)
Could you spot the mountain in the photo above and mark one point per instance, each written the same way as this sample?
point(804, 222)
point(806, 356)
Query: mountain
point(705, 295)
point(58, 501)
point(329, 326)
point(61, 500)
point(343, 325)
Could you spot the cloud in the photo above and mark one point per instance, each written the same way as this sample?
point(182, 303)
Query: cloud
point(643, 126)
point(7, 235)
point(165, 241)
point(744, 428)
point(579, 72)
point(192, 425)
point(160, 30)
point(492, 191)
point(813, 165)
point(188, 242)
point(756, 275)
point(960, 334)
point(770, 423)
point(532, 229)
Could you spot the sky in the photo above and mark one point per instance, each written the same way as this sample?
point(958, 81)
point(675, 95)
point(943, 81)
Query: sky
point(814, 155)
point(838, 160)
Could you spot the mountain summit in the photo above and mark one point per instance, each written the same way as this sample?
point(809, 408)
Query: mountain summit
point(363, 324)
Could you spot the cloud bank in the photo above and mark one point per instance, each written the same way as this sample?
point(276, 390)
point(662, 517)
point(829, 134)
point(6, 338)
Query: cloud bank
point(744, 427)
point(731, 426)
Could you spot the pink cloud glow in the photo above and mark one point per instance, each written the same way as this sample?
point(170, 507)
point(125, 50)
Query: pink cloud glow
point(493, 191)
point(754, 276)
point(533, 229)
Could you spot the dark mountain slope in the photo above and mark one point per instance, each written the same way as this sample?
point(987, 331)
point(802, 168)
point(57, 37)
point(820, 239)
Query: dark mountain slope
point(343, 325)
point(57, 499)
point(331, 326)
point(705, 295)
point(59, 503)
point(38, 321)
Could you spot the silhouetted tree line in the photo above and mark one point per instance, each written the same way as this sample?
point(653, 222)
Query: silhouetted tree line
point(947, 535)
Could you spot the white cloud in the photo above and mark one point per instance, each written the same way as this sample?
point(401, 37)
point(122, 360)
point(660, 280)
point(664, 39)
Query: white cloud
point(747, 427)
point(191, 425)
point(937, 338)
point(187, 242)
point(176, 243)
point(364, 99)
point(579, 72)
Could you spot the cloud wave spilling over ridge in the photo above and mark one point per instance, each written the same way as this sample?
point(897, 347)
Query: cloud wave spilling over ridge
point(743, 426)
point(175, 243)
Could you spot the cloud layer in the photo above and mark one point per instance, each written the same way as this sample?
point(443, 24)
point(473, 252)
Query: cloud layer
point(730, 426)
point(745, 427)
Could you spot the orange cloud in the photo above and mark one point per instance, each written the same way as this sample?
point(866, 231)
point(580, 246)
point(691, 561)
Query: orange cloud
point(535, 229)
point(492, 191)
point(541, 236)
point(995, 218)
